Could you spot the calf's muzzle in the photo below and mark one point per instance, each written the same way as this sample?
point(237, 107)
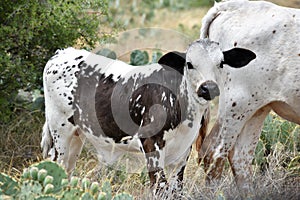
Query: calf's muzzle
point(208, 90)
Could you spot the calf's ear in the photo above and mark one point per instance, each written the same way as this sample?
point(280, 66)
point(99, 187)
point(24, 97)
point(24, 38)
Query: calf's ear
point(238, 57)
point(174, 60)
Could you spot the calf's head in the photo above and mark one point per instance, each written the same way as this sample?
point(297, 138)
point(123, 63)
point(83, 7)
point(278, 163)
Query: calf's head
point(177, 61)
point(208, 59)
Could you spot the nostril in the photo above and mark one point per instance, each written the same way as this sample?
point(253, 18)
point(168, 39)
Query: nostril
point(204, 87)
point(208, 90)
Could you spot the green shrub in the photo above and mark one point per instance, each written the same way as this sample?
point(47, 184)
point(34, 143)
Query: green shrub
point(31, 31)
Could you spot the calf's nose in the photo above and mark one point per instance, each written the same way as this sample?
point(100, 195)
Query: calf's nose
point(208, 90)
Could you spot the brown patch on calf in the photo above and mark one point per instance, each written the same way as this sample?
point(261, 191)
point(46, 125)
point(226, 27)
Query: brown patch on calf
point(148, 145)
point(76, 133)
point(230, 156)
point(202, 132)
point(214, 172)
point(209, 142)
point(213, 168)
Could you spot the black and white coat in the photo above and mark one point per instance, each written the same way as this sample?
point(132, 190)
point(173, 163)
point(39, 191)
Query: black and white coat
point(154, 111)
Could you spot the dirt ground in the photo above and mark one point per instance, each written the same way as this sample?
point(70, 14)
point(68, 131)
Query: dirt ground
point(288, 3)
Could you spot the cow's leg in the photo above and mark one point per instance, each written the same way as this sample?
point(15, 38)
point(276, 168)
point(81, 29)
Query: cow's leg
point(177, 172)
point(77, 143)
point(242, 154)
point(155, 154)
point(66, 142)
point(47, 142)
point(222, 138)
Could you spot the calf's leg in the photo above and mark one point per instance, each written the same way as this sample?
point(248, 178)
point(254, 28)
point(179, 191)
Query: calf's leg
point(77, 143)
point(177, 172)
point(155, 154)
point(212, 166)
point(67, 143)
point(202, 133)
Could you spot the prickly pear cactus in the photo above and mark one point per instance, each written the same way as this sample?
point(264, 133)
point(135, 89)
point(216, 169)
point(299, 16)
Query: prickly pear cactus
point(34, 183)
point(46, 198)
point(106, 187)
point(54, 170)
point(48, 181)
point(87, 196)
point(8, 186)
point(29, 189)
point(71, 193)
point(123, 196)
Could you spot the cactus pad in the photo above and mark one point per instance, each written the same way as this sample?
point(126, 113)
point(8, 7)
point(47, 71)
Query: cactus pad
point(55, 170)
point(8, 185)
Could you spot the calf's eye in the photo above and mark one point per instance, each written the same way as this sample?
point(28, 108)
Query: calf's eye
point(221, 64)
point(189, 65)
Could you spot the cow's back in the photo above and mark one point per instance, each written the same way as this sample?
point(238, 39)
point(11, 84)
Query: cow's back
point(252, 24)
point(271, 31)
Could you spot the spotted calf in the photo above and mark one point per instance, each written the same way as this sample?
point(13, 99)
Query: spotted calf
point(154, 110)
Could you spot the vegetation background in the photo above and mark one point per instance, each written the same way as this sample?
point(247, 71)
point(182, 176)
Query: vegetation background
point(31, 31)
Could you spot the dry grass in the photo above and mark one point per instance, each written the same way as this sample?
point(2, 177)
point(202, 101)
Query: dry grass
point(19, 142)
point(274, 183)
point(20, 148)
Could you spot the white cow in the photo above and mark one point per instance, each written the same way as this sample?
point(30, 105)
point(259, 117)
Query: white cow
point(248, 94)
point(154, 110)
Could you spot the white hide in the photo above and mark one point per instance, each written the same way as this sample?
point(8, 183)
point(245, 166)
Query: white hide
point(271, 81)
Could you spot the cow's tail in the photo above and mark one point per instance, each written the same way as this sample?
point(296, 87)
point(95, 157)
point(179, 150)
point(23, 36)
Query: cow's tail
point(203, 131)
point(215, 11)
point(47, 141)
point(207, 20)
